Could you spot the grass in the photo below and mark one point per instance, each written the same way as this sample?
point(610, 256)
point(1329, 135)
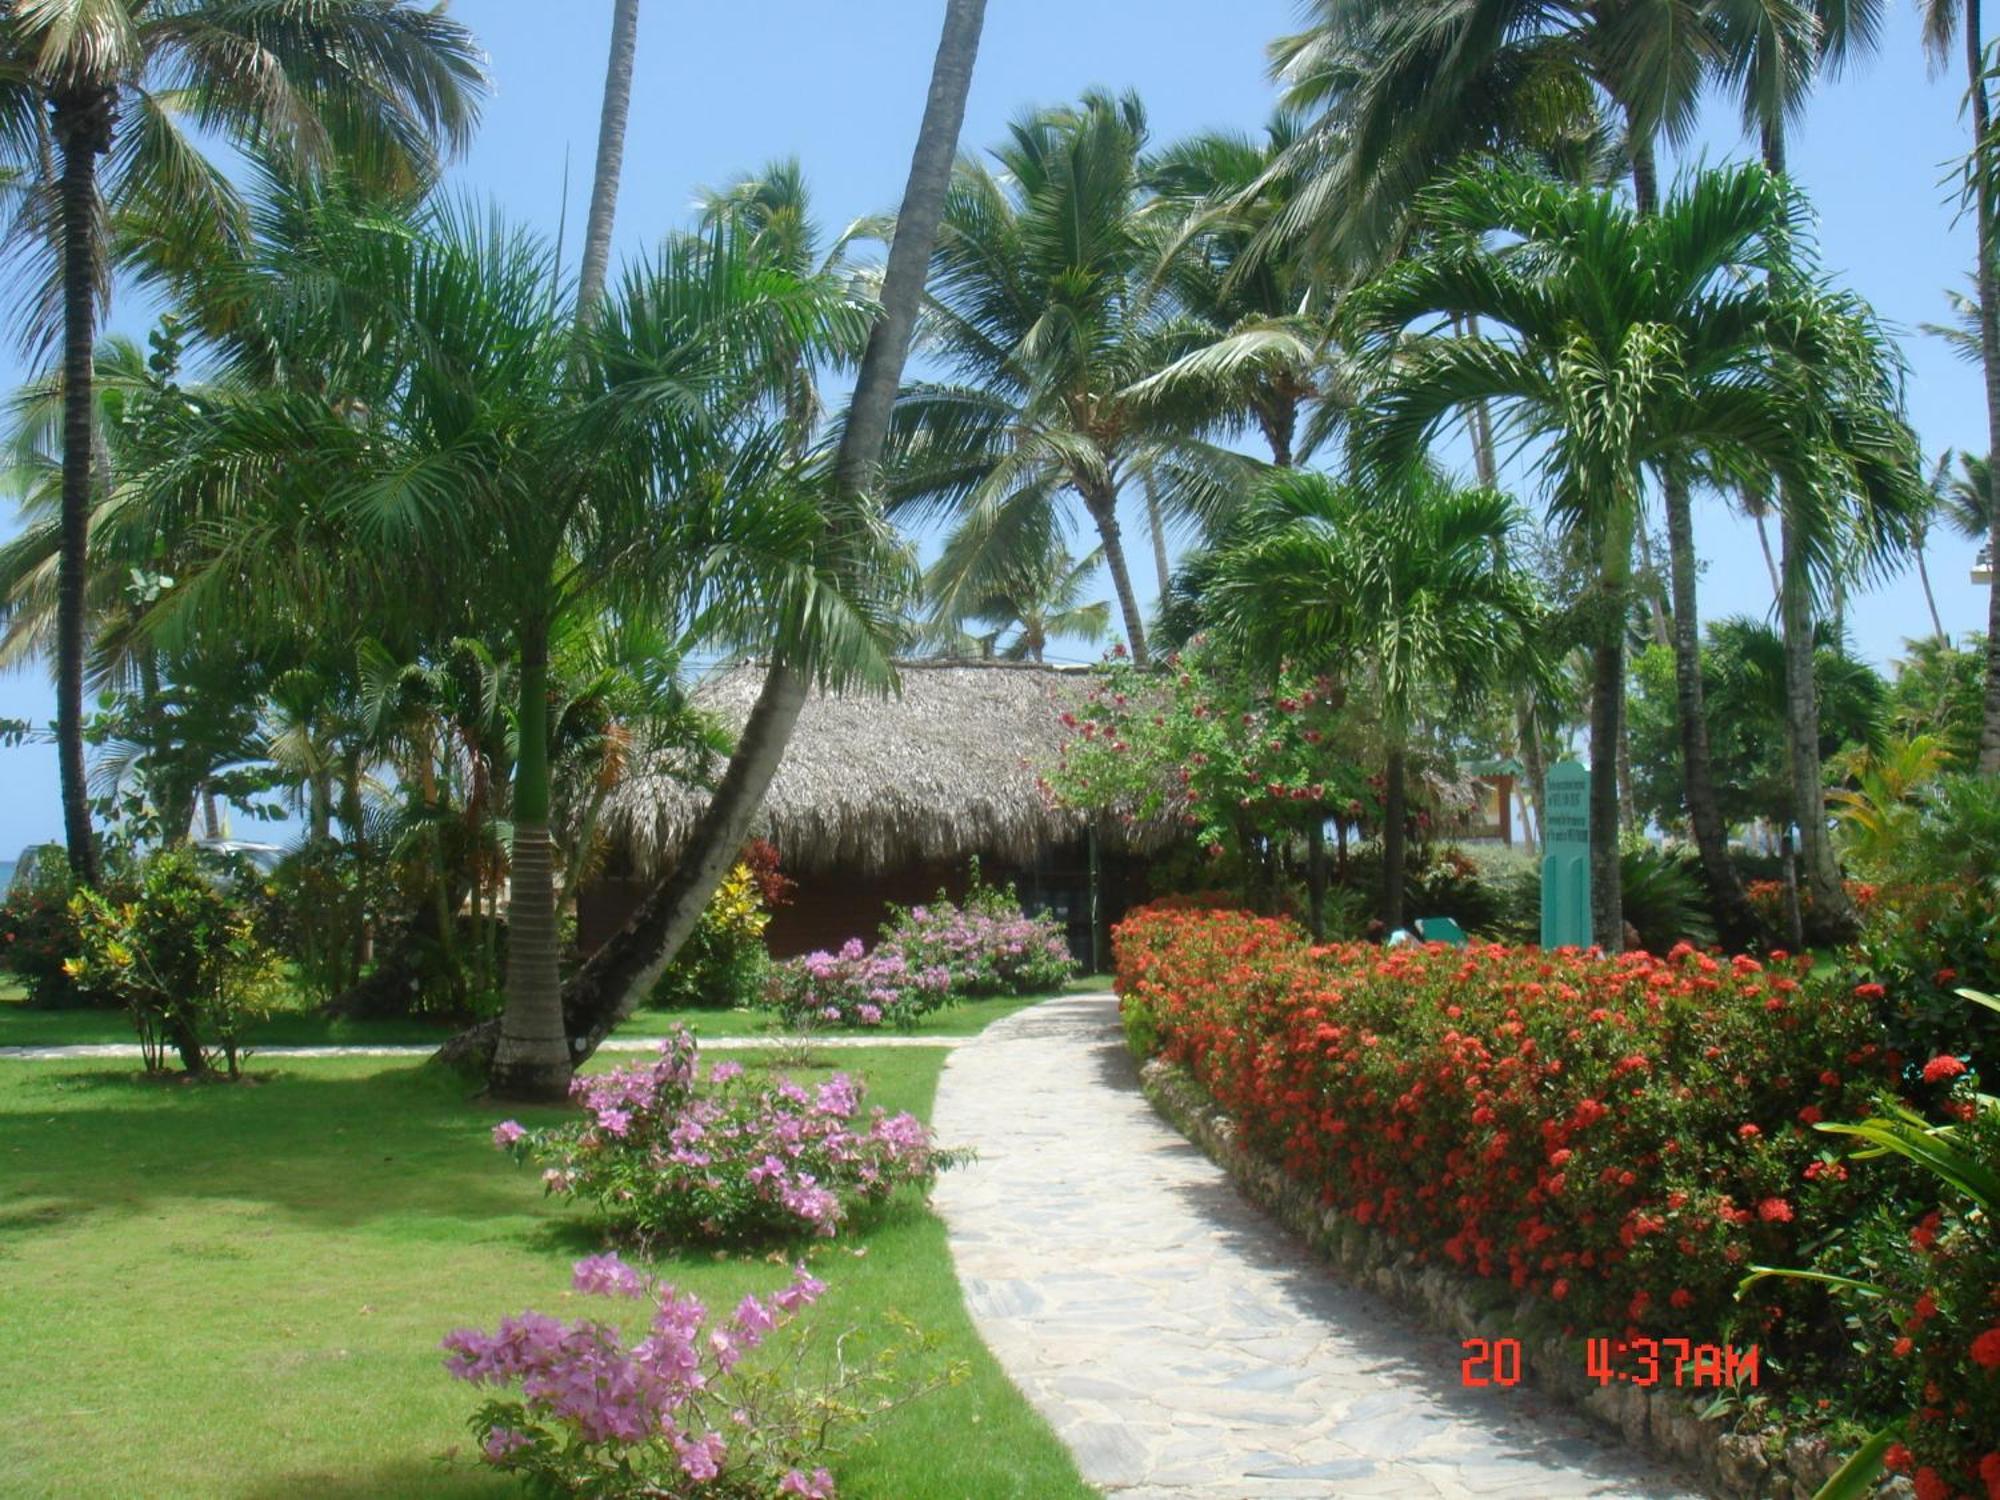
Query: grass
point(238, 1291)
point(22, 1026)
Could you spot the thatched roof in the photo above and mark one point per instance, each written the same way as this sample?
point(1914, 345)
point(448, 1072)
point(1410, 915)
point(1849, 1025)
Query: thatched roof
point(945, 770)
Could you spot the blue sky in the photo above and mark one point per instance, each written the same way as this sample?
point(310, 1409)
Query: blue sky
point(723, 89)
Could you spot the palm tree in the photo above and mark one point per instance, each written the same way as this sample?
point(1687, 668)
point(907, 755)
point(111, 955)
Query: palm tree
point(1041, 305)
point(1947, 21)
point(1409, 90)
point(381, 82)
point(1041, 597)
point(1769, 52)
point(612, 115)
point(1407, 591)
point(1628, 341)
point(607, 989)
point(486, 453)
point(1267, 360)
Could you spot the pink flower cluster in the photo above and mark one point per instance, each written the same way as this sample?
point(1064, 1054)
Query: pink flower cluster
point(581, 1381)
point(728, 1160)
point(928, 957)
point(857, 988)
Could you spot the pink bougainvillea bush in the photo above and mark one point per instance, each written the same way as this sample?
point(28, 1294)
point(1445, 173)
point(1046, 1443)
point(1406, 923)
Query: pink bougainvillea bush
point(852, 987)
point(695, 1406)
point(928, 956)
point(728, 1160)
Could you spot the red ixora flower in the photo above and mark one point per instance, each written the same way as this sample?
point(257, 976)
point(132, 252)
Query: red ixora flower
point(1898, 1459)
point(1869, 992)
point(1942, 1067)
point(1986, 1349)
point(1775, 1211)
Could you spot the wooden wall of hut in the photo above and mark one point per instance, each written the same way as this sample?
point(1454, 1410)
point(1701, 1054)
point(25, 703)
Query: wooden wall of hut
point(830, 906)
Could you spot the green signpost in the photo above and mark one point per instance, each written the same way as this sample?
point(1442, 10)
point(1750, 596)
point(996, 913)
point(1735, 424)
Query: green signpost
point(1566, 857)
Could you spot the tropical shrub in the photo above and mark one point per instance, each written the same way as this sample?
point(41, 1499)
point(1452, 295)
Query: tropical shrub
point(688, 1408)
point(724, 962)
point(38, 934)
point(1934, 925)
point(182, 955)
point(731, 1162)
point(928, 956)
point(1663, 896)
point(854, 987)
point(1625, 1136)
point(313, 909)
point(987, 946)
point(1920, 1283)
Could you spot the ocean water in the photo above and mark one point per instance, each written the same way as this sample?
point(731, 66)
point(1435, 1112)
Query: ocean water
point(6, 875)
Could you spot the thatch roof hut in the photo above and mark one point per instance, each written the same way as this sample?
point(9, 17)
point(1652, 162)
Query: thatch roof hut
point(944, 769)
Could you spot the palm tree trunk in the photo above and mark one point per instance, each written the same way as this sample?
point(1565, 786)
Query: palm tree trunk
point(1930, 599)
point(1316, 874)
point(1158, 528)
point(1657, 613)
point(1536, 769)
point(609, 986)
point(1395, 834)
point(1833, 916)
point(1989, 358)
point(1104, 511)
point(1735, 921)
point(532, 1059)
point(610, 157)
point(1607, 907)
point(83, 122)
point(1770, 561)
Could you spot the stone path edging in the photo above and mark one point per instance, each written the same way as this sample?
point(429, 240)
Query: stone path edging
point(425, 1049)
point(1181, 1344)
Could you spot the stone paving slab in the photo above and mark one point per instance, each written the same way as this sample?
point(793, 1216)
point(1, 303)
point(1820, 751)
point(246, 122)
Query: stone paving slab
point(1180, 1342)
point(425, 1049)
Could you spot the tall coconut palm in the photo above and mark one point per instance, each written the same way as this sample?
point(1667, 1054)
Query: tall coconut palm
point(1428, 82)
point(612, 115)
point(1042, 598)
point(1769, 52)
point(1405, 593)
point(383, 82)
point(609, 986)
point(1958, 21)
point(1268, 362)
point(1042, 307)
point(1627, 341)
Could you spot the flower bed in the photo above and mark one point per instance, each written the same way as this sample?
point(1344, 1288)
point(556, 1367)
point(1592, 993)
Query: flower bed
point(733, 1163)
point(1625, 1137)
point(928, 956)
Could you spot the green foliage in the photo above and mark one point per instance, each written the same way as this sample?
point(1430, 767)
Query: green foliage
point(1664, 896)
point(39, 934)
point(182, 955)
point(313, 910)
point(1934, 923)
point(1916, 1275)
point(1665, 899)
point(724, 963)
point(1229, 756)
point(1743, 682)
point(1939, 690)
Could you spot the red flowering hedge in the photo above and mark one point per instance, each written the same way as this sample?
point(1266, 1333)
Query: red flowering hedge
point(1624, 1135)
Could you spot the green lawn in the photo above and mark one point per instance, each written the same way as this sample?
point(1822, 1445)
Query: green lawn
point(238, 1291)
point(23, 1027)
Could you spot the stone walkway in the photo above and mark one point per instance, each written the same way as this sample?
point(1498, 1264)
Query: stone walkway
point(425, 1049)
point(1183, 1345)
